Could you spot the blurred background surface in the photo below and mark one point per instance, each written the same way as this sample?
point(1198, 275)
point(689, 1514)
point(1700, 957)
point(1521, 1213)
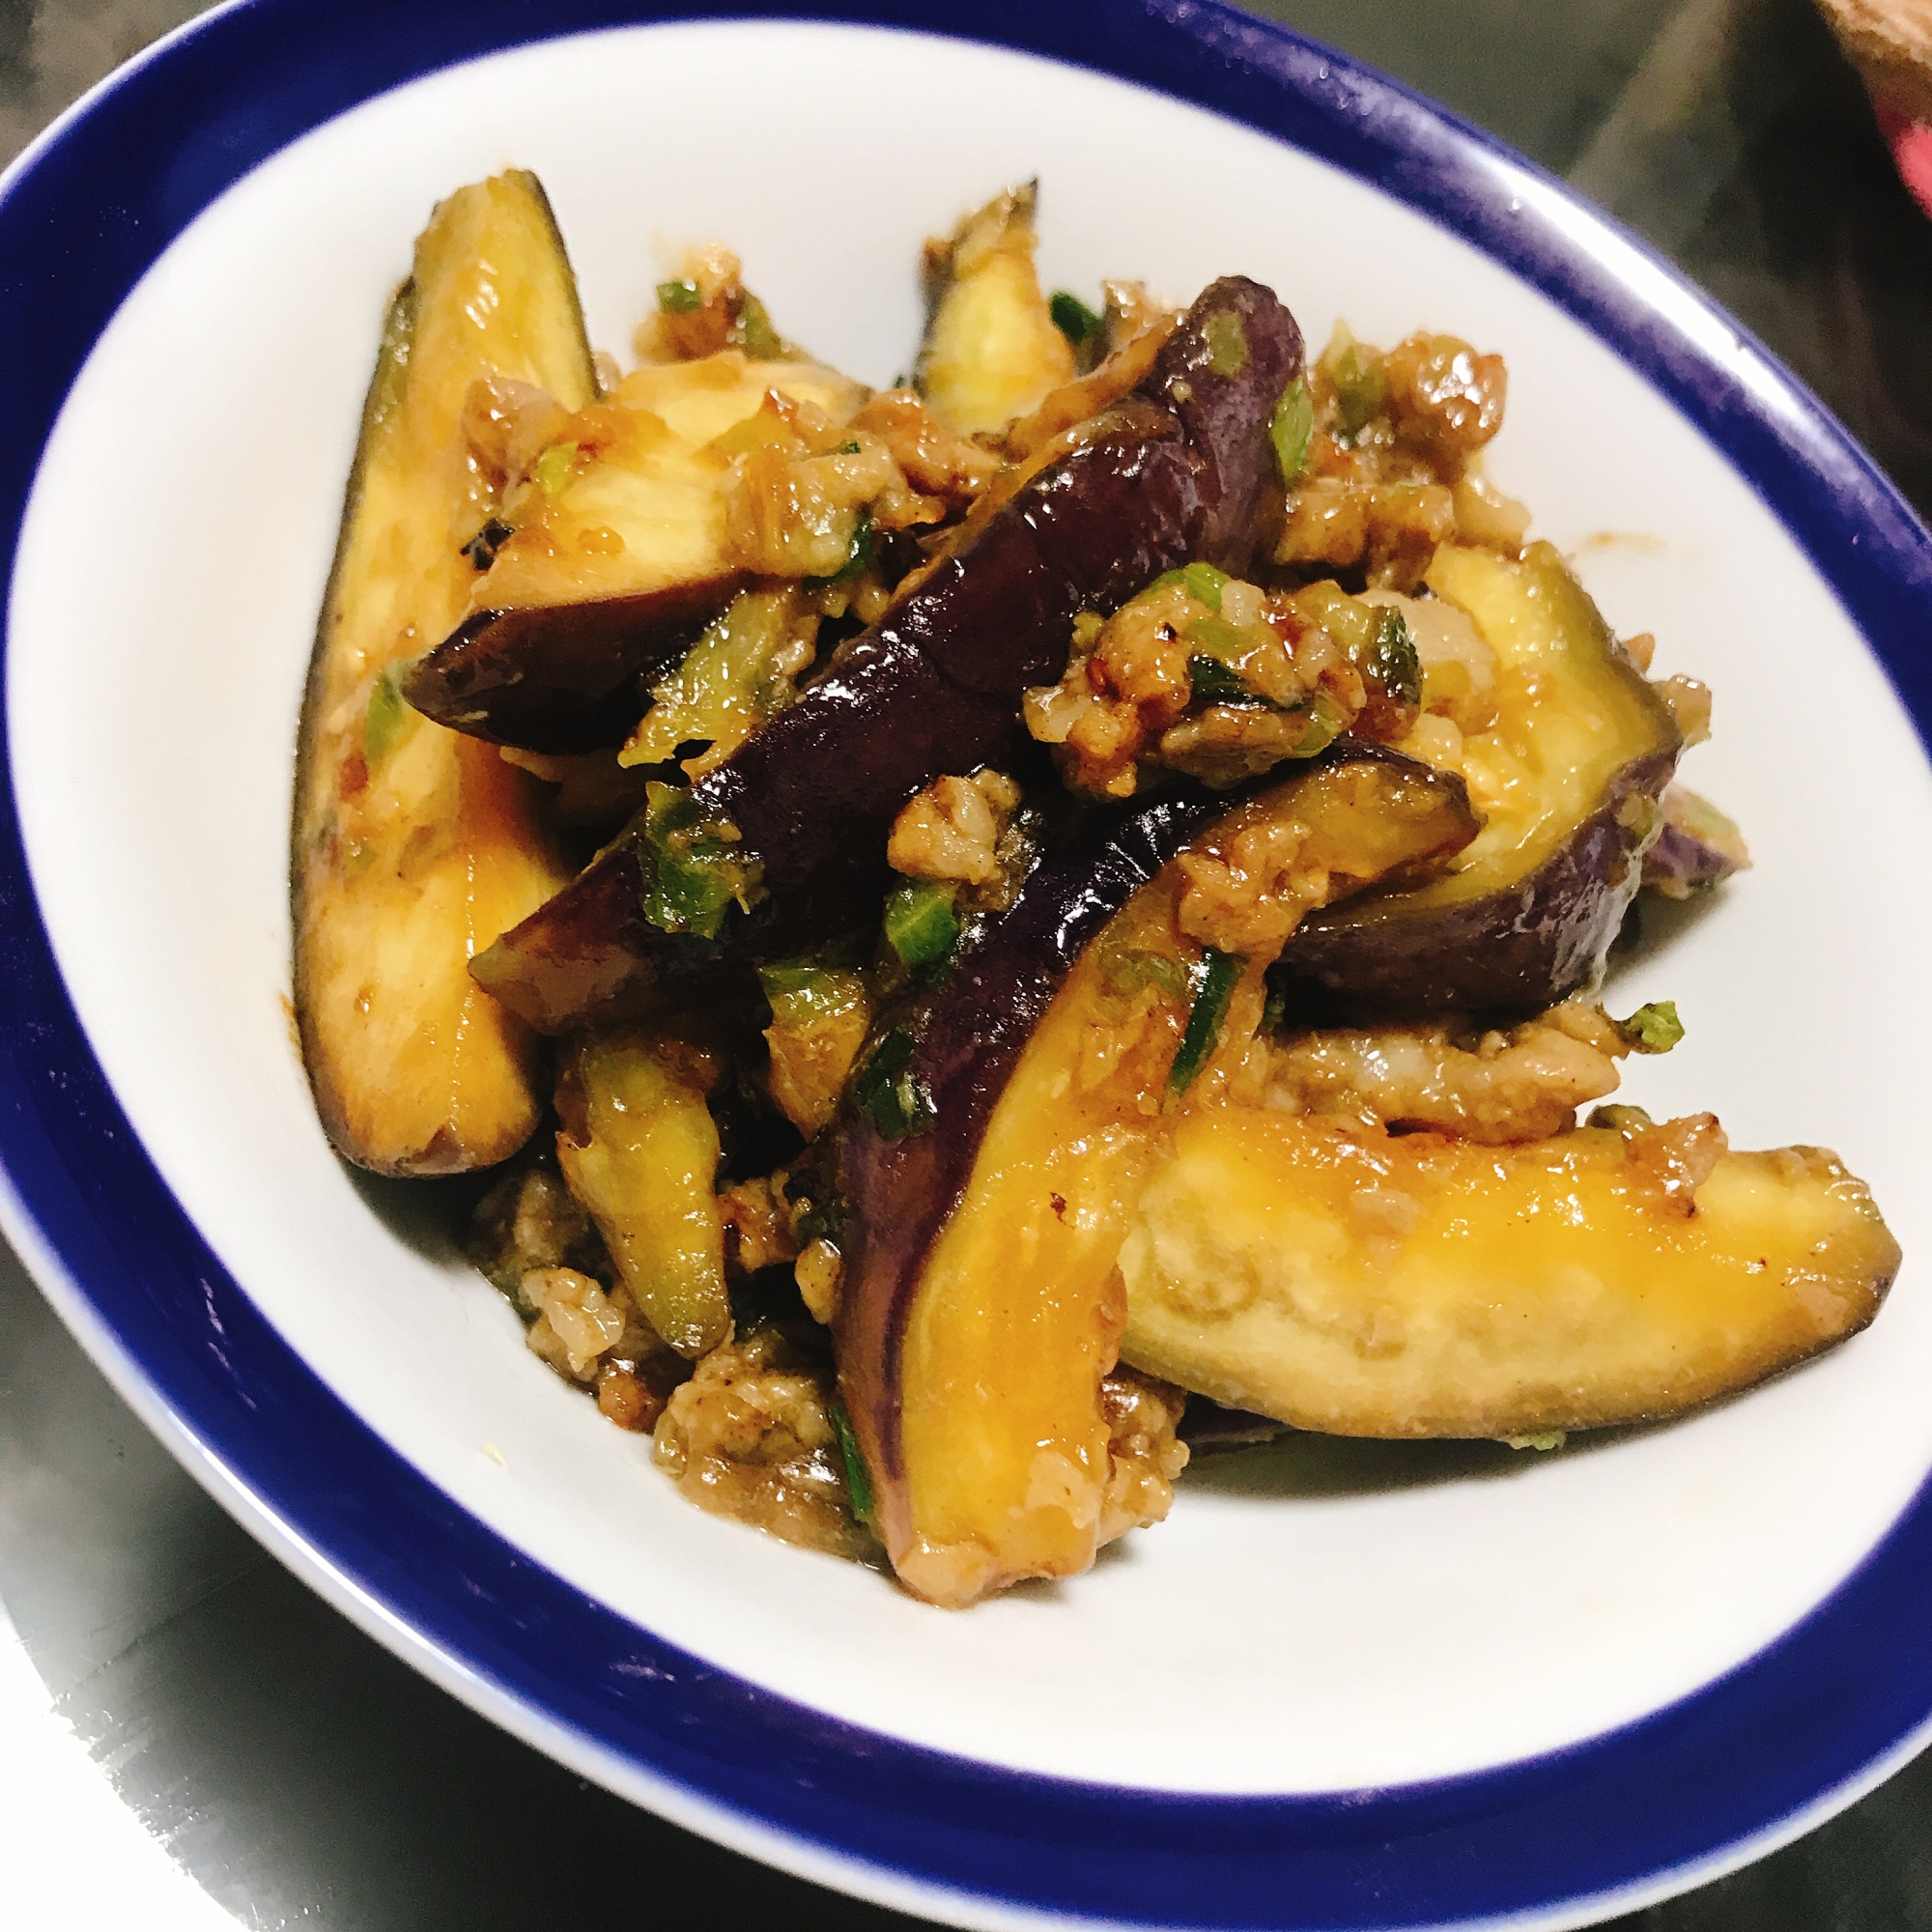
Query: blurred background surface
point(298, 1775)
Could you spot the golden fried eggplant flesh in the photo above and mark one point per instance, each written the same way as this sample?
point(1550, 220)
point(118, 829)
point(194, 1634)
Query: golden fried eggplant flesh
point(1363, 1283)
point(414, 847)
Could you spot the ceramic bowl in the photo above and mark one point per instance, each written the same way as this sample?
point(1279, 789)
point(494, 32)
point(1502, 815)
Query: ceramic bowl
point(1344, 1685)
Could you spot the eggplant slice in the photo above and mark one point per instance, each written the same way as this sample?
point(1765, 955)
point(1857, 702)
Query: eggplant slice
point(414, 847)
point(1567, 777)
point(987, 1173)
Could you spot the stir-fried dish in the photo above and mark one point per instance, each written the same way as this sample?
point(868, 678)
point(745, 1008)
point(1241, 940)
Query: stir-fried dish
point(993, 928)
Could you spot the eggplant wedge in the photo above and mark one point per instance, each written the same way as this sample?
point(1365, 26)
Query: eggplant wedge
point(607, 562)
point(415, 847)
point(992, 350)
point(997, 1137)
point(1567, 778)
point(789, 831)
point(1363, 1283)
point(562, 677)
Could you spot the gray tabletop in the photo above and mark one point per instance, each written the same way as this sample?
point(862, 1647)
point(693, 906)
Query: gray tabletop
point(305, 1777)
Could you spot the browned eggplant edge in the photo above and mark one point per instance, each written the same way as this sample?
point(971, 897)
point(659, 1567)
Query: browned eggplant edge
point(1182, 470)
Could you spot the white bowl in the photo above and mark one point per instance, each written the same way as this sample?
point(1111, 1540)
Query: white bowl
point(1344, 1685)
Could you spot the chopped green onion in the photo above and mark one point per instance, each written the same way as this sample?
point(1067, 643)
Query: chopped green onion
point(1361, 384)
point(759, 338)
point(858, 1478)
point(1073, 319)
point(1325, 722)
point(1619, 1119)
point(1201, 581)
point(921, 922)
point(1274, 1010)
point(1290, 429)
point(1221, 973)
point(1391, 661)
point(857, 557)
point(1128, 969)
point(1227, 338)
point(554, 467)
point(694, 873)
point(1544, 1439)
point(1653, 1028)
point(887, 1090)
point(801, 991)
point(387, 718)
point(1217, 683)
point(680, 296)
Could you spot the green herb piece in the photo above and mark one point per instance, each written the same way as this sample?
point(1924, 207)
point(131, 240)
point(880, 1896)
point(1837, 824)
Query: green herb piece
point(1544, 1439)
point(1227, 338)
point(887, 1092)
point(858, 1478)
point(682, 297)
point(1201, 581)
point(1128, 969)
point(1290, 429)
point(694, 871)
point(1220, 974)
point(1073, 319)
point(1324, 724)
point(921, 922)
point(1361, 384)
point(727, 685)
point(1653, 1028)
point(387, 718)
point(1620, 1120)
point(1217, 683)
point(554, 469)
point(1391, 661)
point(1274, 1010)
point(800, 991)
point(857, 557)
point(756, 332)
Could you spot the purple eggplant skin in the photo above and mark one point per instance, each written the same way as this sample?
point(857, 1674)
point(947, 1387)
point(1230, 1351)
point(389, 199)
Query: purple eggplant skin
point(562, 677)
point(1182, 470)
point(1697, 848)
point(1512, 951)
point(969, 1032)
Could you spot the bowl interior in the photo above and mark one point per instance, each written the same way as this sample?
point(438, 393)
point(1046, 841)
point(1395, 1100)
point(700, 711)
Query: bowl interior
point(1322, 1616)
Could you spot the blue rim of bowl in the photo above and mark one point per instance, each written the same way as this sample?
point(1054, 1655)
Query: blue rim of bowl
point(1690, 1789)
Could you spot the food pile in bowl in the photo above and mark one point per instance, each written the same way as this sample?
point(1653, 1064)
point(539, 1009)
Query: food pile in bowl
point(990, 928)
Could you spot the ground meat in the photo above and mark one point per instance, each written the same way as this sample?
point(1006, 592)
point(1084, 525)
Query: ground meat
point(952, 830)
point(757, 1224)
point(751, 1435)
point(580, 1326)
point(1221, 688)
point(530, 1220)
point(932, 456)
point(1493, 1087)
point(1387, 477)
point(1145, 1454)
point(507, 424)
point(1689, 703)
point(1678, 1156)
point(713, 310)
